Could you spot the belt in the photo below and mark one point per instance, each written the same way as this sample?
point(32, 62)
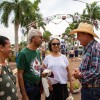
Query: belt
point(90, 85)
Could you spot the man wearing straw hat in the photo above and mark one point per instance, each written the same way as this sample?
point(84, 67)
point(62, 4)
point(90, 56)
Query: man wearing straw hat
point(89, 70)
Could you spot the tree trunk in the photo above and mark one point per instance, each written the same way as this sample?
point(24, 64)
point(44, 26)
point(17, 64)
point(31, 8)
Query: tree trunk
point(16, 38)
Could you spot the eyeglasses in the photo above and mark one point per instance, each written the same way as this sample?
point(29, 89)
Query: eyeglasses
point(54, 44)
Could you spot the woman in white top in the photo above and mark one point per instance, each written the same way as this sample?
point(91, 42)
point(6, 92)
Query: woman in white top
point(58, 64)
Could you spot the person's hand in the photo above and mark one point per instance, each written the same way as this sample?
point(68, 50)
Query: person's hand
point(50, 85)
point(71, 88)
point(76, 73)
point(44, 75)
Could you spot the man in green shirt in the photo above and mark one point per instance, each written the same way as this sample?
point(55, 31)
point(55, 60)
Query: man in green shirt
point(29, 67)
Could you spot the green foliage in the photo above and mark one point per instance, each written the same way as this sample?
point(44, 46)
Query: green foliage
point(91, 14)
point(46, 35)
point(24, 12)
point(22, 45)
point(70, 38)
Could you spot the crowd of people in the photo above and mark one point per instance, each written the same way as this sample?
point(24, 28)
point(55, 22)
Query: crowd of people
point(73, 54)
point(30, 67)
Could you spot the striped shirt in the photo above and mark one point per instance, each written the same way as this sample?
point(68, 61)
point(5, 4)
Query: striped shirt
point(90, 65)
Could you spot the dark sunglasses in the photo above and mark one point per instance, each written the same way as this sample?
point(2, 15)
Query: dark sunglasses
point(55, 44)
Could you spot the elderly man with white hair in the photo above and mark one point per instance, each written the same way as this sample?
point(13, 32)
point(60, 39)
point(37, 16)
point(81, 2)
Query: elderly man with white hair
point(89, 70)
point(29, 67)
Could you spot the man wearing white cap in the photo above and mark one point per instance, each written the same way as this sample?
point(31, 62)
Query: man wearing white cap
point(89, 70)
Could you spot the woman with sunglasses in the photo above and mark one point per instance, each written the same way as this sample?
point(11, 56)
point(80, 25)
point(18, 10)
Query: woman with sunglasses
point(58, 64)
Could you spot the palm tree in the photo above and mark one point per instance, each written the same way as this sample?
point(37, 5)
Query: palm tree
point(73, 25)
point(35, 17)
point(23, 11)
point(91, 14)
point(70, 38)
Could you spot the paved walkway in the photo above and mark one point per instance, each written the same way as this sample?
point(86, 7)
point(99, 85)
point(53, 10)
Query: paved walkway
point(72, 64)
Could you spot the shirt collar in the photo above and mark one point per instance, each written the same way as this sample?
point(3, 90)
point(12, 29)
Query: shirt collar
point(89, 45)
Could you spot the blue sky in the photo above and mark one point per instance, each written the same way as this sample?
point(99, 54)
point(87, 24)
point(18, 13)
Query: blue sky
point(50, 8)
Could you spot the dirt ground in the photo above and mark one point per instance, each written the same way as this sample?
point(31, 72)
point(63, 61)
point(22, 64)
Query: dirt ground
point(72, 65)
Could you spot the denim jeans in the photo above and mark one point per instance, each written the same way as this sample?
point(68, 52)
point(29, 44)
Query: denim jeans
point(33, 91)
point(90, 93)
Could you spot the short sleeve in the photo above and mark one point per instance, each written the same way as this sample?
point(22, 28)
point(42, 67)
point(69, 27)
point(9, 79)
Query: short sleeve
point(21, 61)
point(66, 61)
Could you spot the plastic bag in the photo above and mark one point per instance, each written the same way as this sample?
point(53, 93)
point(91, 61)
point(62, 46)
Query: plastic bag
point(45, 82)
point(45, 87)
point(70, 97)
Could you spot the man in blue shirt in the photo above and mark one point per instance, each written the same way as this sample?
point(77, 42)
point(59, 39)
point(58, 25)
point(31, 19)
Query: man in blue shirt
point(89, 70)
